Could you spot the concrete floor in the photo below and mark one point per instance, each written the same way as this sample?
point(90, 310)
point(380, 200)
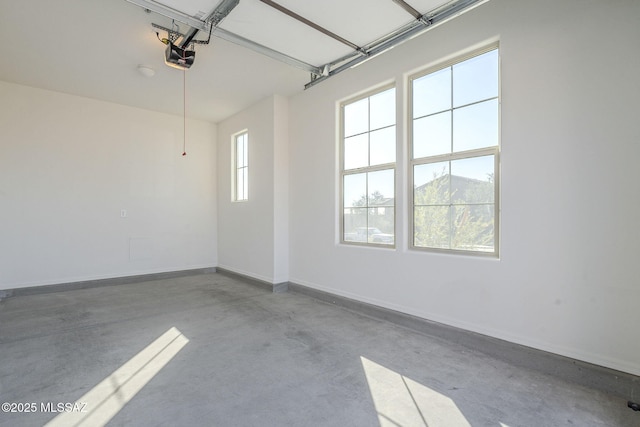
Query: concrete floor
point(255, 358)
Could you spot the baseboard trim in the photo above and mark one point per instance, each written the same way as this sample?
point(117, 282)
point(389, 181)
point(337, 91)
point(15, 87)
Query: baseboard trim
point(273, 287)
point(607, 380)
point(116, 281)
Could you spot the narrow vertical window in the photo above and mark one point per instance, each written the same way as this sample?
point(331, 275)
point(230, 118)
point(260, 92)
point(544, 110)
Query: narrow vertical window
point(241, 167)
point(368, 156)
point(455, 156)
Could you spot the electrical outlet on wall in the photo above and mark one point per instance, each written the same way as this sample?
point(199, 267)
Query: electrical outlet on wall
point(123, 213)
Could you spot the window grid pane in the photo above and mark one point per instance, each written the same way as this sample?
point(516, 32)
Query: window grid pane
point(382, 146)
point(369, 210)
point(454, 189)
point(356, 118)
point(432, 135)
point(475, 79)
point(369, 136)
point(368, 196)
point(241, 165)
point(475, 126)
point(432, 93)
point(356, 151)
point(473, 227)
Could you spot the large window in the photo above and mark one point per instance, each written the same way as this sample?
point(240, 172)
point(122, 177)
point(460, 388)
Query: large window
point(454, 115)
point(368, 156)
point(241, 167)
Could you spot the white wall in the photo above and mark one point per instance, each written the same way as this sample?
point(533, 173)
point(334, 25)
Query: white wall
point(281, 190)
point(69, 165)
point(253, 234)
point(567, 278)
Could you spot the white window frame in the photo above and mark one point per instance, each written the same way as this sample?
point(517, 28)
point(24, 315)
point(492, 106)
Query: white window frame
point(453, 156)
point(240, 191)
point(366, 169)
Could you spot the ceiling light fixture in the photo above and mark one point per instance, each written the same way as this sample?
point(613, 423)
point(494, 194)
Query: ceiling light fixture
point(146, 71)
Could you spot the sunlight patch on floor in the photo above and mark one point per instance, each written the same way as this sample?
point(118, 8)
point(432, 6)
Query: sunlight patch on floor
point(106, 399)
point(400, 401)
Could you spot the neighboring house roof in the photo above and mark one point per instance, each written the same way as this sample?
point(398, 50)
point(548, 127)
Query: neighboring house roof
point(387, 201)
point(459, 185)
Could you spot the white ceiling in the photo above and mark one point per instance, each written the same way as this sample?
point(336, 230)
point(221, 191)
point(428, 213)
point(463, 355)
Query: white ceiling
point(92, 48)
